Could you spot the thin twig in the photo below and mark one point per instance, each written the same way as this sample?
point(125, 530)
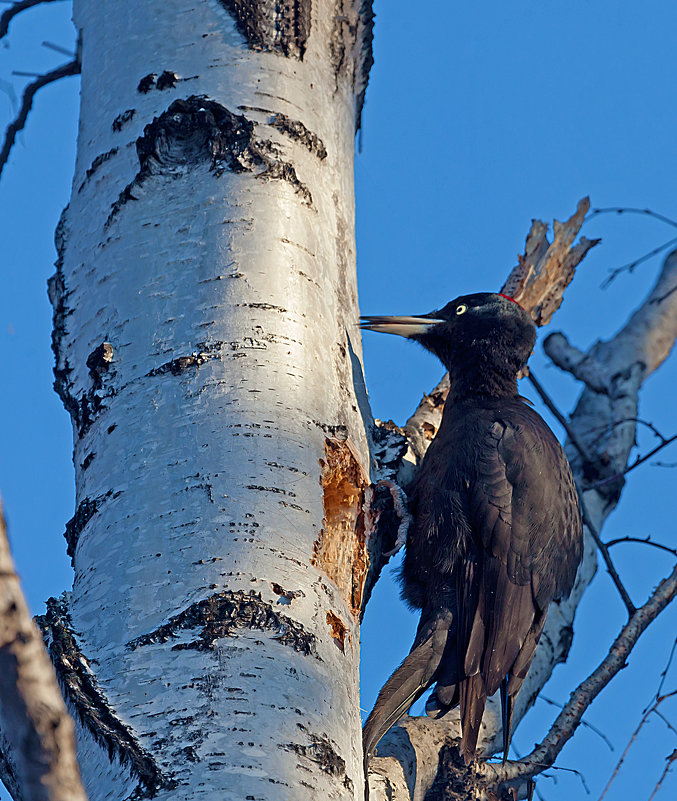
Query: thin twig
point(16, 8)
point(666, 668)
point(569, 718)
point(608, 427)
point(605, 555)
point(644, 541)
point(638, 461)
point(627, 210)
point(665, 720)
point(669, 761)
point(585, 723)
point(630, 266)
point(71, 68)
point(547, 400)
point(584, 512)
point(620, 762)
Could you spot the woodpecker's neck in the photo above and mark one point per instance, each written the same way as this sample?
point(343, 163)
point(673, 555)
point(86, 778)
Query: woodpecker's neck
point(482, 378)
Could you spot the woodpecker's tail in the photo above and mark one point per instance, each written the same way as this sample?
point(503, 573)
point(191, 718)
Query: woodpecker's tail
point(411, 679)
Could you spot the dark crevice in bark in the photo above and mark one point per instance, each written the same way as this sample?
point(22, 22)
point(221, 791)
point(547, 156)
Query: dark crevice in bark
point(85, 408)
point(90, 704)
point(83, 514)
point(146, 83)
point(280, 27)
point(181, 364)
point(122, 119)
point(351, 49)
point(366, 57)
point(58, 296)
point(221, 614)
point(166, 80)
point(322, 752)
point(198, 130)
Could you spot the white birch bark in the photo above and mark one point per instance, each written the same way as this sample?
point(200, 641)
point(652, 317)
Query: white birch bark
point(205, 346)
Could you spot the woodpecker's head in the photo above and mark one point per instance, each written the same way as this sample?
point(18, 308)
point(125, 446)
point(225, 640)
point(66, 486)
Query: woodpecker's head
point(485, 330)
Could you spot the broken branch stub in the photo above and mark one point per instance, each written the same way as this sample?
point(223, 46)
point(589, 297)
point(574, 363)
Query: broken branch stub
point(546, 268)
point(537, 283)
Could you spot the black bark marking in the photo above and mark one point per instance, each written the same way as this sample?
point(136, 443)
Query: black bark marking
point(167, 80)
point(322, 752)
point(220, 614)
point(86, 510)
point(88, 460)
point(182, 364)
point(146, 83)
point(198, 130)
point(90, 704)
point(122, 119)
point(98, 161)
point(297, 131)
point(281, 27)
point(286, 596)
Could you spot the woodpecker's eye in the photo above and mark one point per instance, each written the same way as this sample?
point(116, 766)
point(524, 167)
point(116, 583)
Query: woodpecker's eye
point(462, 309)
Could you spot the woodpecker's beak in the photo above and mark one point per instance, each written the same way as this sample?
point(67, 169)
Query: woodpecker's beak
point(402, 326)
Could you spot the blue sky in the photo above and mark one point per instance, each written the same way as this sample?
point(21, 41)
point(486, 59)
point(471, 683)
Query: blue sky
point(478, 118)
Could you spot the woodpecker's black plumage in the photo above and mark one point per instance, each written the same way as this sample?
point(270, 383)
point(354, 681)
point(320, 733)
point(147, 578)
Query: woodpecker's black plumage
point(496, 532)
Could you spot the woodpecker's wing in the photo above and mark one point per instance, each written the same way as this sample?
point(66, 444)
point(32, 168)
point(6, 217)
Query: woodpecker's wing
point(524, 515)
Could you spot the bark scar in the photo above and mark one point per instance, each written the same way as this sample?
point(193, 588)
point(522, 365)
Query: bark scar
point(340, 550)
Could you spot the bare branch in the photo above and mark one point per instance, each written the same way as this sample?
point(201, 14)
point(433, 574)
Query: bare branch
point(633, 737)
point(605, 555)
point(630, 266)
point(545, 269)
point(585, 723)
point(664, 674)
point(33, 715)
point(16, 8)
point(71, 68)
point(628, 210)
point(544, 755)
point(638, 461)
point(644, 541)
point(584, 511)
point(561, 419)
point(670, 760)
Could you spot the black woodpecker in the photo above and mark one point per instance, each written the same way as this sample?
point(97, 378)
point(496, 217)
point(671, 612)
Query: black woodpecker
point(496, 533)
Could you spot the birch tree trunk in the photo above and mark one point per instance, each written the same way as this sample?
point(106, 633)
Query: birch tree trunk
point(204, 309)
